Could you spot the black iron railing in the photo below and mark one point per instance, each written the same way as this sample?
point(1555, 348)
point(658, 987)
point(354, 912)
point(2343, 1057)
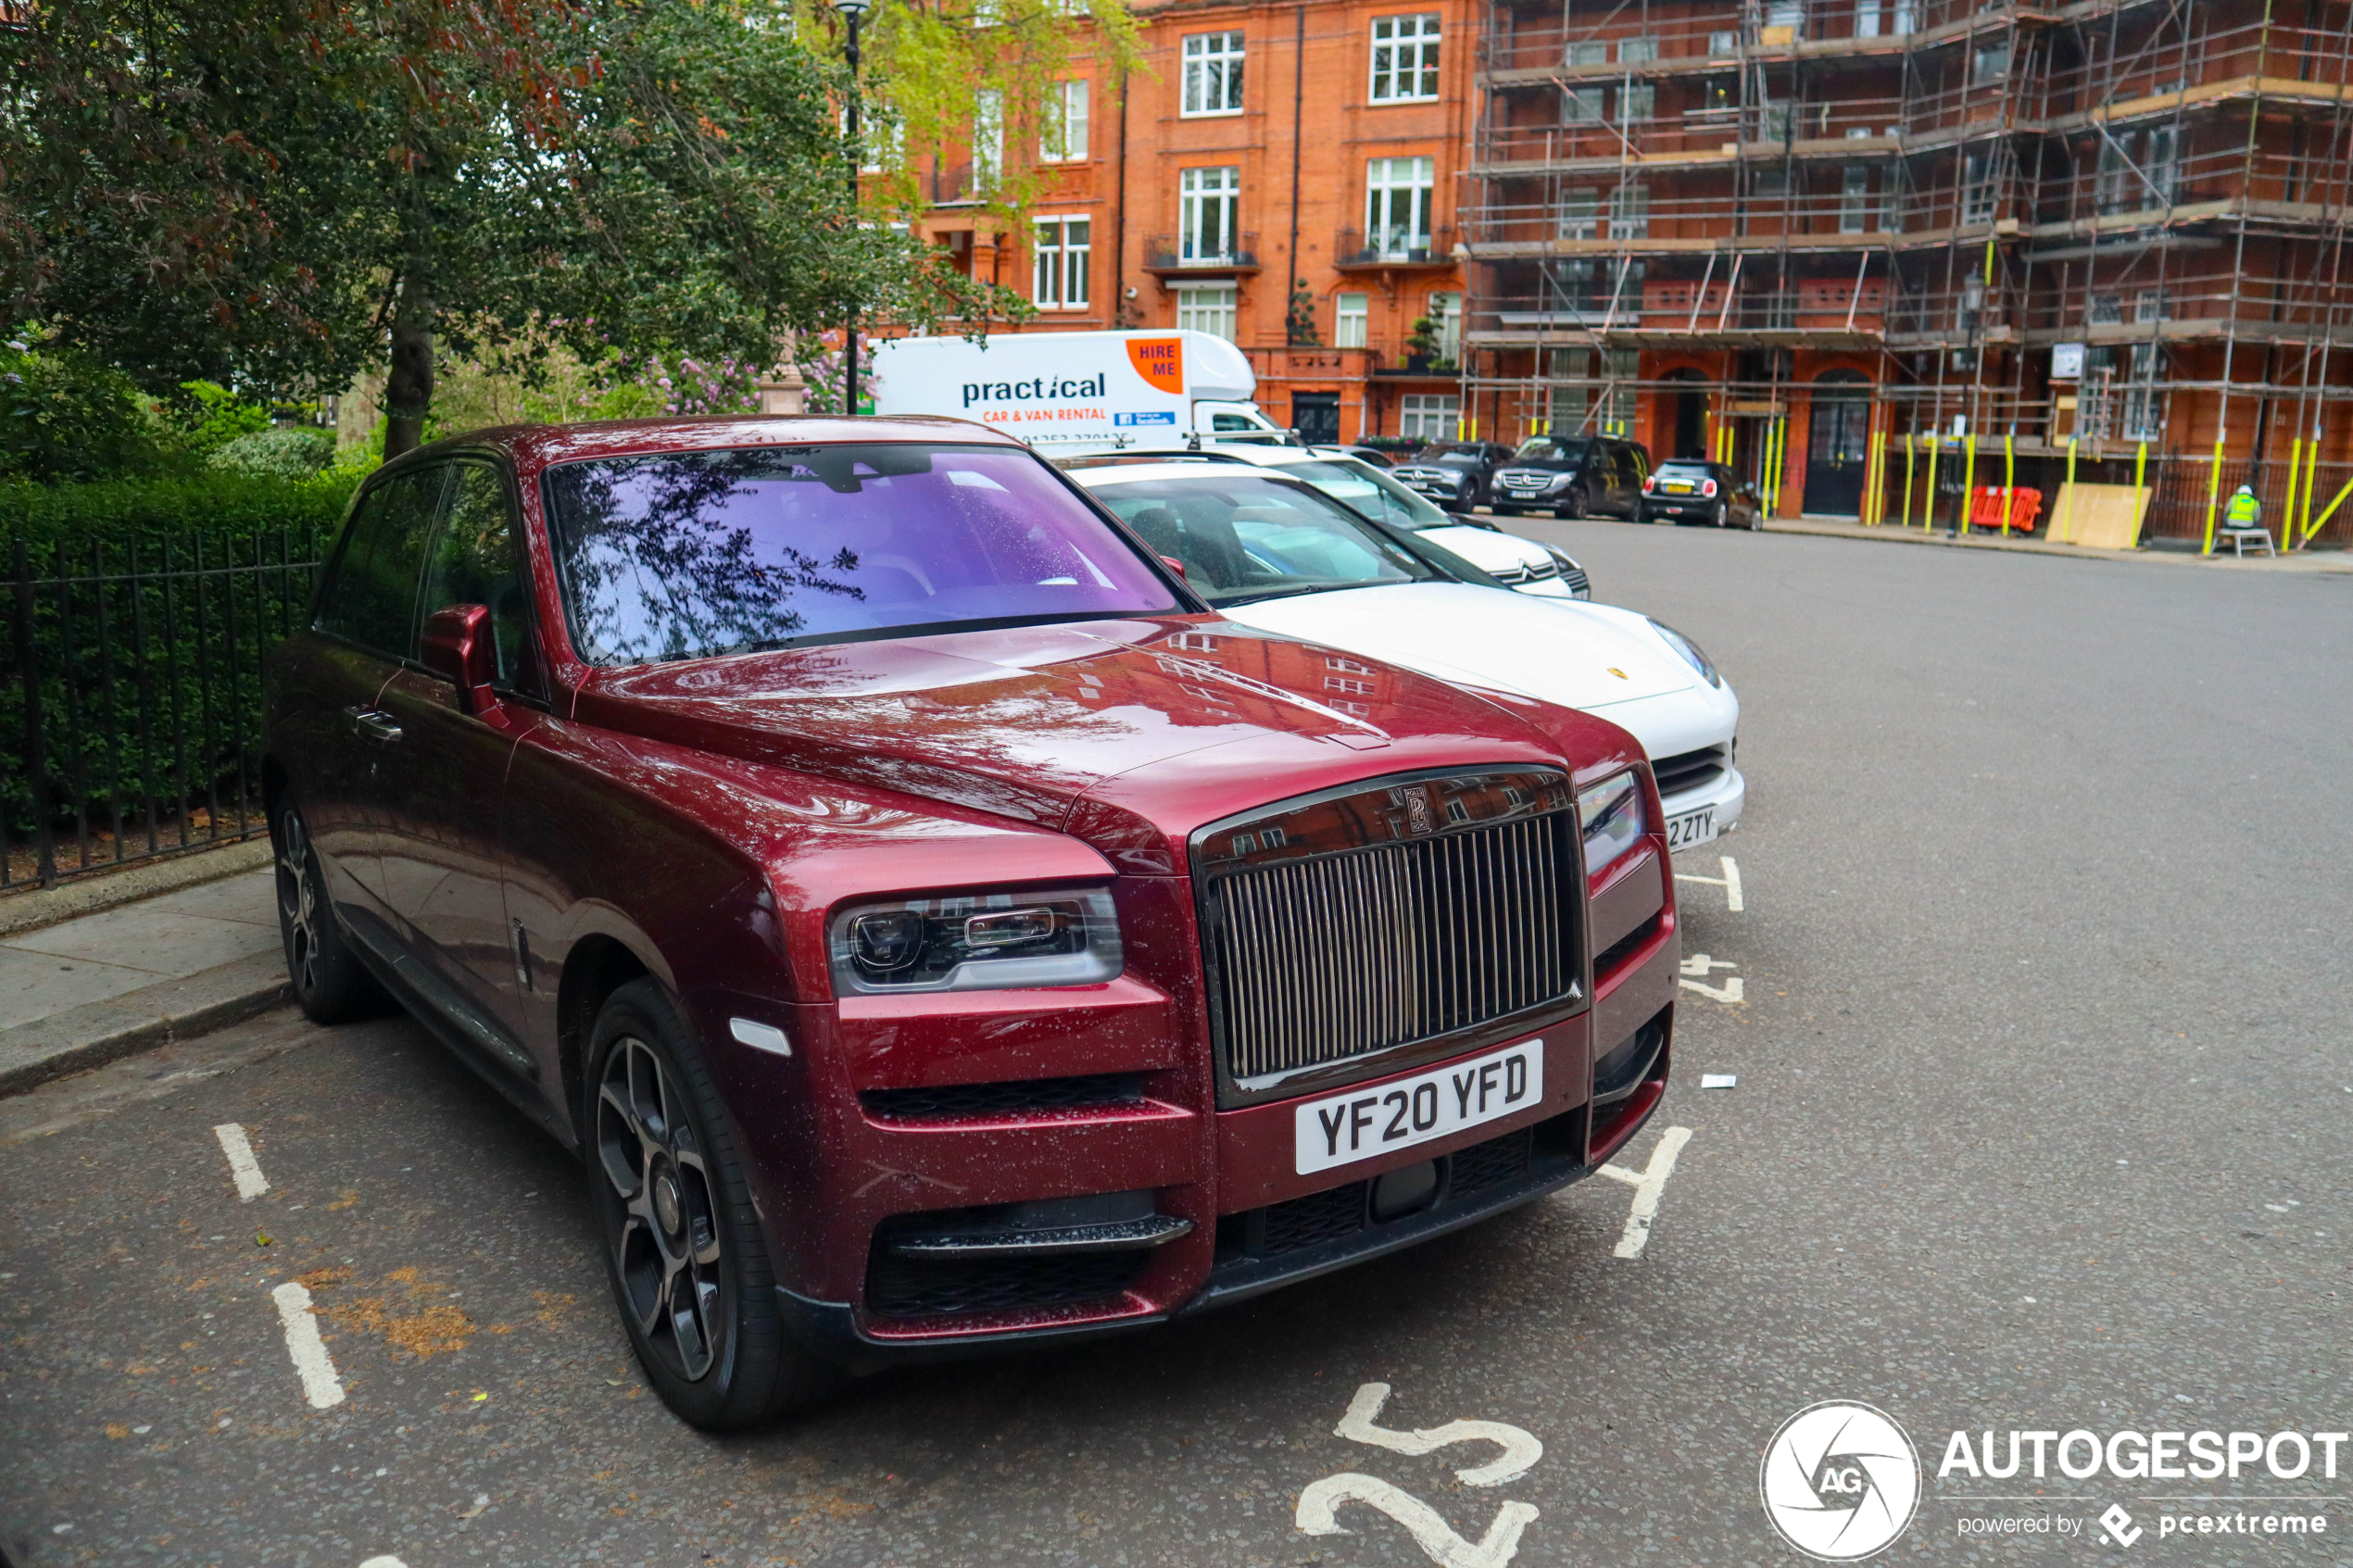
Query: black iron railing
point(132, 722)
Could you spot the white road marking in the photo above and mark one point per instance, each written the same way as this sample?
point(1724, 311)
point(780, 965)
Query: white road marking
point(1694, 975)
point(251, 1182)
point(319, 1383)
point(1648, 1185)
point(1430, 1530)
point(1730, 881)
point(1521, 1449)
point(383, 1563)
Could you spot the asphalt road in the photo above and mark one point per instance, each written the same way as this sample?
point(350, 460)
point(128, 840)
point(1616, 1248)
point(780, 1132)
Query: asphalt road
point(2043, 1108)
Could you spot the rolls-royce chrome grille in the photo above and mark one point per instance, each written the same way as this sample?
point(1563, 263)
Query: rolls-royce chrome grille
point(1351, 923)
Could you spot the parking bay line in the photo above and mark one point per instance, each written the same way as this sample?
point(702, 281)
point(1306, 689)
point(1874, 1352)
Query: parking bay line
point(1730, 881)
point(319, 1383)
point(251, 1182)
point(1649, 1183)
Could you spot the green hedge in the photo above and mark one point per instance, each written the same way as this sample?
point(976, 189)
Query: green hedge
point(217, 505)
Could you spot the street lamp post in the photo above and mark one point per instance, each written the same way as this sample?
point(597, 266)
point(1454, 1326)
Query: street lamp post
point(851, 10)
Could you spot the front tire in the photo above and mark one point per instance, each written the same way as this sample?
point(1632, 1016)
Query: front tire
point(1572, 507)
point(683, 1252)
point(330, 983)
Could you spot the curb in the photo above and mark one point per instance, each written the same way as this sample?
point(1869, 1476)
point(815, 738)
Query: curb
point(97, 1032)
point(2300, 563)
point(30, 912)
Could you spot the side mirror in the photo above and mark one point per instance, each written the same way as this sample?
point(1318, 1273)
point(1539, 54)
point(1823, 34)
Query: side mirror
point(1173, 564)
point(457, 648)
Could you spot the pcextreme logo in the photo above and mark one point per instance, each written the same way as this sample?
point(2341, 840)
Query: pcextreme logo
point(1839, 1481)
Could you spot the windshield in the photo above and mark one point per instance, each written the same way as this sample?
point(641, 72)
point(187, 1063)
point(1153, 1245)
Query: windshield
point(1546, 449)
point(1246, 536)
point(1370, 491)
point(686, 555)
point(1461, 459)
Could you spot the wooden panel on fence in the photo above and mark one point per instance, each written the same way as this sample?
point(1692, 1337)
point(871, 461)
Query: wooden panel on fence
point(2101, 517)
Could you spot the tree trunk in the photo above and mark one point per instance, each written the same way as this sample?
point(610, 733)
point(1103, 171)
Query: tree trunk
point(409, 386)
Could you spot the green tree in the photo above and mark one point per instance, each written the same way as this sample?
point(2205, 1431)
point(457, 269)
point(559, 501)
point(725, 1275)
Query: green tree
point(274, 193)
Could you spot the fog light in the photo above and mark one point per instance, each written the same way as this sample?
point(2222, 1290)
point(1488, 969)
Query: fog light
point(1404, 1192)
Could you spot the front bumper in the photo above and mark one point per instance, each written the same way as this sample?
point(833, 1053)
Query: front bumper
point(1727, 793)
point(829, 1194)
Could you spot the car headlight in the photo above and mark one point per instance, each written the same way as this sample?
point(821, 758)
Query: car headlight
point(977, 941)
point(1690, 650)
point(1611, 814)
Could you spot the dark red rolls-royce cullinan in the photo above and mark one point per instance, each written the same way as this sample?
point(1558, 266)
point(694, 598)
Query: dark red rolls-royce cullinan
point(934, 928)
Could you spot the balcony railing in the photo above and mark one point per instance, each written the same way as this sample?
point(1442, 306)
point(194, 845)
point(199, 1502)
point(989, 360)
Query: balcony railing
point(1185, 253)
point(1393, 247)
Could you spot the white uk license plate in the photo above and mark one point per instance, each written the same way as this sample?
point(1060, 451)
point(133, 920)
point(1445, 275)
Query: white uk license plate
point(1342, 1129)
point(1691, 827)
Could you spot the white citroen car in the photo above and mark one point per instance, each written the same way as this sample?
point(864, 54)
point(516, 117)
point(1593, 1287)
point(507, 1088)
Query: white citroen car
point(1515, 562)
point(1269, 550)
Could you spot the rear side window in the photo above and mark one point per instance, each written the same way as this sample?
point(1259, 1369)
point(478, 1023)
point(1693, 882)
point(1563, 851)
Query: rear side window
point(371, 598)
point(473, 563)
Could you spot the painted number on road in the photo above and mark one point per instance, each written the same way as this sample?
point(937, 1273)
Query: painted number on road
point(1517, 1453)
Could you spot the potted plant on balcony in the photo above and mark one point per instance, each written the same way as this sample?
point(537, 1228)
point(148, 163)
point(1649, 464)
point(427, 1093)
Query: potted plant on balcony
point(1421, 346)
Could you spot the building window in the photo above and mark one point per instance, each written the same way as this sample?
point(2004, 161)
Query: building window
point(1623, 368)
point(988, 139)
point(1208, 200)
point(1980, 195)
point(1637, 51)
point(2144, 405)
point(1587, 53)
point(1855, 199)
point(1584, 106)
point(1348, 320)
point(1721, 45)
point(1206, 307)
point(1065, 124)
point(1630, 211)
point(1431, 416)
point(1580, 214)
point(2150, 305)
point(1406, 58)
point(1212, 73)
point(1565, 406)
point(1446, 315)
point(1636, 103)
point(1397, 201)
point(1990, 63)
point(2162, 164)
point(1066, 256)
point(2108, 310)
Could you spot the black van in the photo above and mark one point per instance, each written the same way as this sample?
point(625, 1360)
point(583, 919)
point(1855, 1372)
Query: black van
point(1572, 476)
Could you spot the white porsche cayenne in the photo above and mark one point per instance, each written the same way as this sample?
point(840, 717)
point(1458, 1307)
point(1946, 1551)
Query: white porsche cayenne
point(1272, 551)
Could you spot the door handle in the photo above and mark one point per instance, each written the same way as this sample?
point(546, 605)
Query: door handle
point(373, 722)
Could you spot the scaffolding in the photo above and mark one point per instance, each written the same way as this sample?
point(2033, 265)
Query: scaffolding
point(1876, 253)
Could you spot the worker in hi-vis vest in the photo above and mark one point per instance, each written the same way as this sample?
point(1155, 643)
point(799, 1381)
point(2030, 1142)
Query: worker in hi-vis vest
point(2245, 510)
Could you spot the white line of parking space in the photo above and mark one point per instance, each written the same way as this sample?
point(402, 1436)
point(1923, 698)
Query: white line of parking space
point(1319, 1504)
point(1650, 1186)
point(319, 1383)
point(1730, 881)
point(1696, 970)
point(242, 1166)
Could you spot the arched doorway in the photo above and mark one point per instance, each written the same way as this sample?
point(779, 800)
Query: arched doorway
point(1839, 445)
point(1688, 390)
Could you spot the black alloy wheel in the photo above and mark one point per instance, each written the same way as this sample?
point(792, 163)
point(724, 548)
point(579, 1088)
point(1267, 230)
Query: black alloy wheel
point(330, 983)
point(688, 1264)
point(1721, 517)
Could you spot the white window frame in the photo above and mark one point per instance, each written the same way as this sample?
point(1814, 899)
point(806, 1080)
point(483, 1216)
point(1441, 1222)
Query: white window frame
point(1630, 211)
point(1855, 199)
point(1445, 312)
point(1431, 416)
point(1417, 180)
point(1065, 129)
point(1580, 214)
point(1212, 74)
point(1199, 193)
point(1352, 314)
point(1405, 58)
point(1062, 276)
point(1207, 307)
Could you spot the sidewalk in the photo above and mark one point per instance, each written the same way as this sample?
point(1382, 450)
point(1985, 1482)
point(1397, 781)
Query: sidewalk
point(2322, 562)
point(86, 990)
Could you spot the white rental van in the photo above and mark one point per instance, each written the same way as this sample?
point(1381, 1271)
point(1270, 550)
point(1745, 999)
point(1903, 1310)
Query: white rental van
point(1069, 391)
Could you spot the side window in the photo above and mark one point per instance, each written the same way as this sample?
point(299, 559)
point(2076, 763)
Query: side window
point(472, 562)
point(372, 597)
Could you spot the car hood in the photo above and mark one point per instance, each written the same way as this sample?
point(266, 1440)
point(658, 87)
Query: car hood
point(1485, 548)
point(1584, 656)
point(1156, 725)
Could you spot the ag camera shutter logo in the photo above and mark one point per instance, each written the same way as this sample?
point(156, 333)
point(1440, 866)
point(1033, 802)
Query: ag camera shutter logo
point(1839, 1481)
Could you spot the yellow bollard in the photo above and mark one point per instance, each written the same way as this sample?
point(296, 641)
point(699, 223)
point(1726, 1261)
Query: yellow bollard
point(2009, 478)
point(1928, 501)
point(2311, 474)
point(1904, 517)
point(2140, 481)
point(2213, 496)
point(2287, 507)
point(2065, 525)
